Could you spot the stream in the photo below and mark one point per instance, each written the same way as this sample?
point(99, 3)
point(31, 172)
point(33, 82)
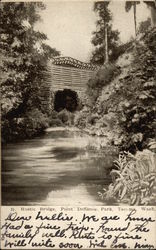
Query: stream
point(60, 167)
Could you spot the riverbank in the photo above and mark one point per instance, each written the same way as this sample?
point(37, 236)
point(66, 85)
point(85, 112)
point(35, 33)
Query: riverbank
point(124, 110)
point(91, 141)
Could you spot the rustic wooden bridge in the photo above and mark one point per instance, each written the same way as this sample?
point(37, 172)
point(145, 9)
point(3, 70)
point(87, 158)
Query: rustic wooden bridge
point(66, 73)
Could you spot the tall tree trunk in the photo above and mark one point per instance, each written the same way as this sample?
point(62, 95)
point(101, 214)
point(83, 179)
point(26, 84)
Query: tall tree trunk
point(135, 21)
point(152, 6)
point(153, 16)
point(106, 45)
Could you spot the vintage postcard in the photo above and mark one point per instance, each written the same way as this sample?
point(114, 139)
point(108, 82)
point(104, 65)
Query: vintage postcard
point(78, 146)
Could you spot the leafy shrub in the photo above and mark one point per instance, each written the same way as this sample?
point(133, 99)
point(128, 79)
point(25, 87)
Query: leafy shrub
point(152, 145)
point(101, 79)
point(62, 118)
point(92, 118)
point(33, 123)
point(63, 115)
point(66, 117)
point(56, 122)
point(133, 179)
point(80, 119)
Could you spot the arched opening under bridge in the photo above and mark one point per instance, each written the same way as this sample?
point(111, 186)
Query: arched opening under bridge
point(66, 99)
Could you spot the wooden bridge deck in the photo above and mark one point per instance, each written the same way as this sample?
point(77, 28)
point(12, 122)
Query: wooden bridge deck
point(68, 77)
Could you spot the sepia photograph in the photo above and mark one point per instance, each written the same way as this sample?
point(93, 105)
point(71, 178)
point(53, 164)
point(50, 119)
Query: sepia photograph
point(78, 103)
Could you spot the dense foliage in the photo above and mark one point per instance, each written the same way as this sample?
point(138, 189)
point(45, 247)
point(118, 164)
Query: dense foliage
point(138, 112)
point(24, 56)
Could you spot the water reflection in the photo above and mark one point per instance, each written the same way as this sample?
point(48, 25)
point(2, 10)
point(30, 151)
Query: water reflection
point(55, 169)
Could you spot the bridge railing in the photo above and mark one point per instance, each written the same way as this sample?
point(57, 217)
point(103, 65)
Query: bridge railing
point(69, 61)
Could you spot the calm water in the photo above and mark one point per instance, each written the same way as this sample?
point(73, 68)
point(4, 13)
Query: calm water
point(58, 168)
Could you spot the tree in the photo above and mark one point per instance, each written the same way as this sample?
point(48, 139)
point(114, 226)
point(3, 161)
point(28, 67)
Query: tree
point(152, 6)
point(104, 38)
point(24, 57)
point(144, 26)
point(128, 6)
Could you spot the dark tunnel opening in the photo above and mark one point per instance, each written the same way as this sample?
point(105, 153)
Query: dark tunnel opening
point(66, 99)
